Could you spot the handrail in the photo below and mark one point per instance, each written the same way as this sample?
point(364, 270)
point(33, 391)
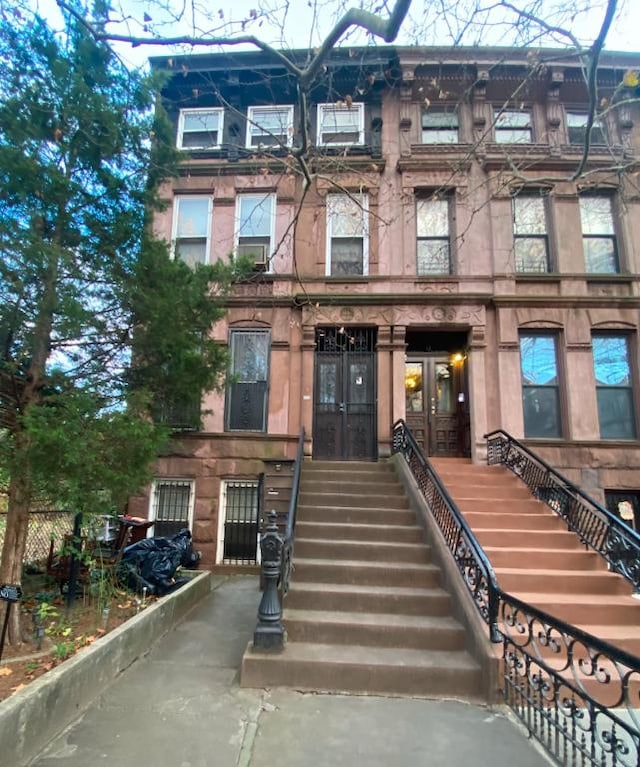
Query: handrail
point(287, 551)
point(575, 693)
point(468, 554)
point(595, 525)
point(277, 557)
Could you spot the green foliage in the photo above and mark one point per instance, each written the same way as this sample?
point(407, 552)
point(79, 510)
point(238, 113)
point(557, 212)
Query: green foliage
point(99, 326)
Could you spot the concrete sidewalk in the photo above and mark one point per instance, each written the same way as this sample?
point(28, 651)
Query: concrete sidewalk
point(181, 706)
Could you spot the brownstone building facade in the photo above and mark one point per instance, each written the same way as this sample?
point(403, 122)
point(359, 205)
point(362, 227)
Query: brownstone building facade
point(447, 257)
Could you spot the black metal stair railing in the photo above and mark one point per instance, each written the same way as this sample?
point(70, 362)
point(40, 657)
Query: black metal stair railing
point(276, 552)
point(471, 560)
point(596, 527)
point(576, 694)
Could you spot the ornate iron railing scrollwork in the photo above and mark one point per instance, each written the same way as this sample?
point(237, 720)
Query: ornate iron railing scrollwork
point(467, 553)
point(576, 694)
point(596, 527)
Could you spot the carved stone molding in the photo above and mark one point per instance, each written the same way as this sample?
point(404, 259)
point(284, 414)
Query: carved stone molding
point(429, 315)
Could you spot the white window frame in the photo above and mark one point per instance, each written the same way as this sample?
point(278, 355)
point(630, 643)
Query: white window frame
point(222, 517)
point(272, 225)
point(364, 200)
point(251, 123)
point(183, 112)
point(174, 224)
point(359, 105)
point(152, 500)
point(500, 129)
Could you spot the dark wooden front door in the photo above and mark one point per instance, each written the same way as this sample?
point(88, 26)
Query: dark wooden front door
point(345, 394)
point(435, 405)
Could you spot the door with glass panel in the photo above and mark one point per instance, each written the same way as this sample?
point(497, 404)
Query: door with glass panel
point(345, 394)
point(434, 396)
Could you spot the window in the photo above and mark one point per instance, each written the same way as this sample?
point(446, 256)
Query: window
point(254, 228)
point(347, 235)
point(598, 235)
point(433, 250)
point(247, 388)
point(200, 128)
point(625, 504)
point(513, 127)
point(540, 386)
point(171, 505)
point(531, 244)
point(614, 390)
point(577, 129)
point(239, 530)
point(340, 125)
point(192, 229)
point(439, 126)
point(270, 126)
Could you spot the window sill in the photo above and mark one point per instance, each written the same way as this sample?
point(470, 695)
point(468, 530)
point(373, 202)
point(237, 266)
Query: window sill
point(586, 443)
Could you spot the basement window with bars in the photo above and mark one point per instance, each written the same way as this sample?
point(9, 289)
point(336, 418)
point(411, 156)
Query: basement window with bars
point(171, 506)
point(239, 529)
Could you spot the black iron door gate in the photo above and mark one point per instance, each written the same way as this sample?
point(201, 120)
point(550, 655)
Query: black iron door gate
point(345, 394)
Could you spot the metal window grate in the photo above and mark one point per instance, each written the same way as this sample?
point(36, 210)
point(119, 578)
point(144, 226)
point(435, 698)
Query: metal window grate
point(171, 503)
point(241, 523)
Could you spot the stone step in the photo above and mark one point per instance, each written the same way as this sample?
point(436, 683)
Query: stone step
point(365, 551)
point(358, 669)
point(336, 514)
point(513, 580)
point(489, 477)
point(466, 490)
point(534, 539)
point(586, 609)
point(355, 532)
point(347, 467)
point(526, 558)
point(371, 598)
point(522, 524)
point(369, 488)
point(500, 505)
point(358, 500)
point(385, 476)
point(374, 629)
point(365, 573)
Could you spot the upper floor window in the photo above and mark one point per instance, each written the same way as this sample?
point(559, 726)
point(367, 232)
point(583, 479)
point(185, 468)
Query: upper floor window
point(255, 214)
point(347, 234)
point(439, 126)
point(614, 387)
point(270, 126)
point(340, 125)
point(598, 234)
point(513, 127)
point(192, 229)
point(247, 387)
point(433, 248)
point(577, 129)
point(200, 128)
point(540, 385)
point(531, 243)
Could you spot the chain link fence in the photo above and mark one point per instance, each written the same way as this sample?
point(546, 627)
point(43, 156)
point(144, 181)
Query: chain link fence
point(43, 526)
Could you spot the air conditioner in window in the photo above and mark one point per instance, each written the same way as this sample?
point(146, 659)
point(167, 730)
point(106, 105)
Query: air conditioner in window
point(259, 253)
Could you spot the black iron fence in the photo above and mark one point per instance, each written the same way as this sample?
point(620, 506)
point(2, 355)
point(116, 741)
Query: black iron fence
point(596, 527)
point(472, 562)
point(577, 695)
point(43, 527)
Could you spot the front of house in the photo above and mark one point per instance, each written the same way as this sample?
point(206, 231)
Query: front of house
point(439, 265)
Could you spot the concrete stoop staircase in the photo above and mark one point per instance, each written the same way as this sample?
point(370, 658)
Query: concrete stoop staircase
point(365, 612)
point(536, 558)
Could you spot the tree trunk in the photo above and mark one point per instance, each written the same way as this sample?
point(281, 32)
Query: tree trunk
point(15, 534)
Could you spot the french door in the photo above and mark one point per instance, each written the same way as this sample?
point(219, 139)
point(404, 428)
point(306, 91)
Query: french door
point(435, 405)
point(345, 394)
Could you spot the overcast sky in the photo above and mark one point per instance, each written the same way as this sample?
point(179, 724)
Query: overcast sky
point(306, 23)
